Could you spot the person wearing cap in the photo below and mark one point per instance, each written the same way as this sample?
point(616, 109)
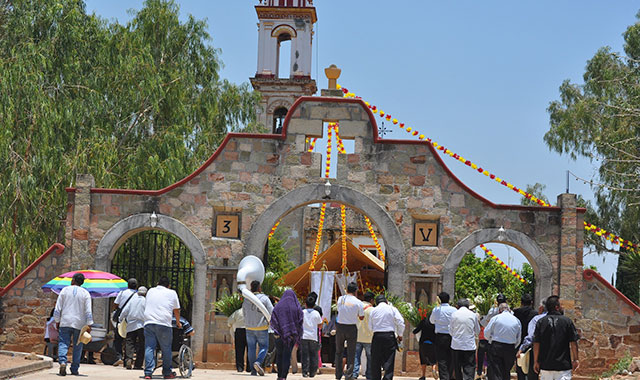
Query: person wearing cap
point(386, 322)
point(527, 343)
point(503, 333)
point(119, 303)
point(441, 317)
point(72, 314)
point(464, 328)
point(133, 315)
point(350, 311)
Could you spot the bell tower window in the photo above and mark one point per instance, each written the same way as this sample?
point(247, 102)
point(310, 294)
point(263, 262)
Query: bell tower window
point(284, 50)
point(278, 119)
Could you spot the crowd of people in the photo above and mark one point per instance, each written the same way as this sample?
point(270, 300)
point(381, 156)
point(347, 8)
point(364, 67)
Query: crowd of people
point(455, 340)
point(149, 315)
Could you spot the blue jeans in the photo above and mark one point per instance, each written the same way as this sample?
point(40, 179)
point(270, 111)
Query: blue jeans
point(155, 335)
point(356, 364)
point(64, 341)
point(261, 338)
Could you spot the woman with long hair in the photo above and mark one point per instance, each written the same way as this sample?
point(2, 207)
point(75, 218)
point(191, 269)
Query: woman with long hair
point(286, 322)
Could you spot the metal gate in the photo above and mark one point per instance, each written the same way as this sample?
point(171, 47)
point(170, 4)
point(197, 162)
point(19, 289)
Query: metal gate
point(149, 255)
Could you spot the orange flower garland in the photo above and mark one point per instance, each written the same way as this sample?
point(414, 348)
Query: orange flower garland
point(615, 239)
point(344, 236)
point(314, 257)
point(375, 239)
point(502, 264)
point(273, 230)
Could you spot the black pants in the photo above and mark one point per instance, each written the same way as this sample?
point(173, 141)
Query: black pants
point(483, 347)
point(309, 353)
point(240, 342)
point(443, 353)
point(117, 343)
point(270, 357)
point(383, 355)
point(532, 375)
point(349, 334)
point(283, 358)
point(134, 343)
point(501, 359)
point(465, 364)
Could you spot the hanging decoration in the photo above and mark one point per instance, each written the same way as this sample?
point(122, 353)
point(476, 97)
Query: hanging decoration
point(273, 230)
point(314, 257)
point(625, 244)
point(502, 264)
point(344, 237)
point(375, 239)
point(615, 239)
point(311, 142)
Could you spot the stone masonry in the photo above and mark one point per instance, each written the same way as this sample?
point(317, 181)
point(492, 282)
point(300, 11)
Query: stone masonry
point(265, 177)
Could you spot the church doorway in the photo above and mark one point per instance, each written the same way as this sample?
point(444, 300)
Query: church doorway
point(149, 255)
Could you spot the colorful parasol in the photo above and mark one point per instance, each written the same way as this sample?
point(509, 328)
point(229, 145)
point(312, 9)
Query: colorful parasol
point(99, 284)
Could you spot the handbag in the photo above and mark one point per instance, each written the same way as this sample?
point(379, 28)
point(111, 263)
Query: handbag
point(115, 317)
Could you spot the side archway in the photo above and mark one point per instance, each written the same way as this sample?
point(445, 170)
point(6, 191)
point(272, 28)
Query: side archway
point(538, 259)
point(319, 193)
point(133, 224)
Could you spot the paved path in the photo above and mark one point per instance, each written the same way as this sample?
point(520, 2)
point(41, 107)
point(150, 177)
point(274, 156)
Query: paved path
point(103, 372)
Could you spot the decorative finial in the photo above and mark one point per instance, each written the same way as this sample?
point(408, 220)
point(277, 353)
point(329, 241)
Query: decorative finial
point(333, 73)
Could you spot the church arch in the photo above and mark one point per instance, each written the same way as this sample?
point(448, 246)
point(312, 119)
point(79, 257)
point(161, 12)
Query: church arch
point(396, 260)
point(538, 259)
point(133, 224)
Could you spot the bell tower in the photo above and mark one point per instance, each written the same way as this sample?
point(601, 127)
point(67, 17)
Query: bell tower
point(281, 21)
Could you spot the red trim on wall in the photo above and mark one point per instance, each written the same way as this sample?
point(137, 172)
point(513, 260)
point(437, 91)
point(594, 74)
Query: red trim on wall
point(590, 274)
point(57, 247)
point(282, 136)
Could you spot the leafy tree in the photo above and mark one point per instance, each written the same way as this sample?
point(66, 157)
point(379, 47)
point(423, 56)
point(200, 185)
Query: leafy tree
point(486, 278)
point(278, 256)
point(600, 120)
point(139, 105)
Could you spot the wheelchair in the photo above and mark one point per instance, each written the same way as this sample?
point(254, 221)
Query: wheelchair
point(181, 353)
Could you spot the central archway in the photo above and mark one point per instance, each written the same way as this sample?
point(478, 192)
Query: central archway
point(319, 193)
point(540, 262)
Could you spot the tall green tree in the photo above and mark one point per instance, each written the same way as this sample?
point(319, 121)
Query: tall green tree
point(137, 105)
point(600, 120)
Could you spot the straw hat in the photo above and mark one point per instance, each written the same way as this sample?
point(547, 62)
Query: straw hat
point(523, 361)
point(84, 337)
point(122, 329)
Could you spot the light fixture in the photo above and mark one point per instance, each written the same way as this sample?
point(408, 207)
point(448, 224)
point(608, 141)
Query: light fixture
point(327, 189)
point(153, 220)
point(501, 232)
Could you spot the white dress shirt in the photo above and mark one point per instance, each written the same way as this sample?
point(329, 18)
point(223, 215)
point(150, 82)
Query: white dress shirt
point(365, 335)
point(441, 317)
point(386, 318)
point(310, 321)
point(503, 328)
point(349, 310)
point(73, 307)
point(236, 320)
point(463, 328)
point(133, 313)
point(160, 305)
point(123, 296)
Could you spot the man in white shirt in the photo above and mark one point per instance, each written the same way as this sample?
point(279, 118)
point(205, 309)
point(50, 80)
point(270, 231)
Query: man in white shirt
point(464, 328)
point(161, 303)
point(119, 303)
point(239, 333)
point(441, 318)
point(133, 314)
point(365, 335)
point(72, 313)
point(503, 333)
point(385, 321)
point(350, 311)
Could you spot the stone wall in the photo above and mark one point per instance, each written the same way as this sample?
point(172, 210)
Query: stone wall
point(608, 324)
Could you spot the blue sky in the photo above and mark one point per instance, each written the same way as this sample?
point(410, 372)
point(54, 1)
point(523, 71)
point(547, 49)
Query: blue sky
point(475, 76)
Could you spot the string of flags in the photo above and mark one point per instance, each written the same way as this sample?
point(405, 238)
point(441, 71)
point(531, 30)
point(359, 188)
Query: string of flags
point(502, 264)
point(624, 244)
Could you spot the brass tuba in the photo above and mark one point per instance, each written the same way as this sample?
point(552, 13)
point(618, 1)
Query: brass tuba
point(251, 269)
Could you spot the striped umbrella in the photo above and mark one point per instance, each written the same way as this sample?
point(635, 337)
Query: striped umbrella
point(99, 284)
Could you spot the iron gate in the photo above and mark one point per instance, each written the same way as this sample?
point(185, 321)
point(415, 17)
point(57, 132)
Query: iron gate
point(149, 255)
